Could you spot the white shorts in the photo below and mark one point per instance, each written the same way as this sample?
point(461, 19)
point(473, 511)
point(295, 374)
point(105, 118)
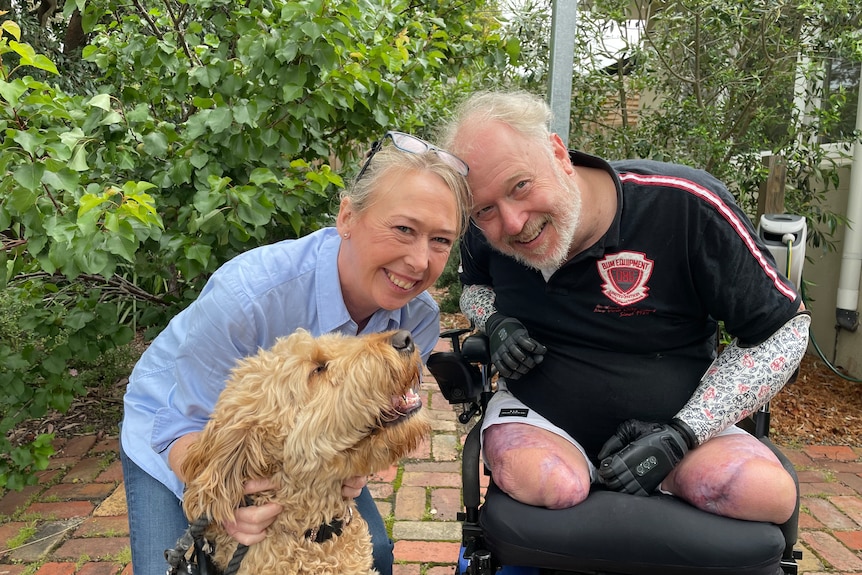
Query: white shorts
point(506, 408)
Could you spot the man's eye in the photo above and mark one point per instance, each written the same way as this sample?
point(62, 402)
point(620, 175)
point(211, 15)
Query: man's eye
point(483, 214)
point(404, 229)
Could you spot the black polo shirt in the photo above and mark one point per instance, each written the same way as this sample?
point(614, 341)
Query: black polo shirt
point(630, 324)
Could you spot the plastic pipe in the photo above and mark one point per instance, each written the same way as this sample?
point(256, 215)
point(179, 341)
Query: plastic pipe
point(847, 299)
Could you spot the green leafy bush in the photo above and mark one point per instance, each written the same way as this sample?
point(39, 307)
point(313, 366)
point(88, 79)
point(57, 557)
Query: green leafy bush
point(211, 127)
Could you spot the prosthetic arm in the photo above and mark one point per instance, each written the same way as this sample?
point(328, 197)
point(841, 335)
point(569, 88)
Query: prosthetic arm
point(513, 351)
point(739, 382)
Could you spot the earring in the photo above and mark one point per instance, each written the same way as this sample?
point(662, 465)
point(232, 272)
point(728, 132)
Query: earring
point(346, 234)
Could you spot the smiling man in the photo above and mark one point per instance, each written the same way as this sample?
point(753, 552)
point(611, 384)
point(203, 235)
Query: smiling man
point(600, 285)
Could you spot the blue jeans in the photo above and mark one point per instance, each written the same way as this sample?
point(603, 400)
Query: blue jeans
point(157, 520)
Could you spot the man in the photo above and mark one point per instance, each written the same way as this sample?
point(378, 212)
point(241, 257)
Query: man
point(600, 287)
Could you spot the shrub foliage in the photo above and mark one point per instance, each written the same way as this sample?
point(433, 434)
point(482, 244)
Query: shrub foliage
point(208, 128)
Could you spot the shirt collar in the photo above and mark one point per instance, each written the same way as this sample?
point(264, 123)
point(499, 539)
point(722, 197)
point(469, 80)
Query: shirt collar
point(611, 238)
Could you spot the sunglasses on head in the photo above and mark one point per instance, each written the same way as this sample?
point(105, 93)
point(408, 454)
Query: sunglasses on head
point(413, 145)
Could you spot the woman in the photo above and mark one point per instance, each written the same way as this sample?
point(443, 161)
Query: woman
point(395, 227)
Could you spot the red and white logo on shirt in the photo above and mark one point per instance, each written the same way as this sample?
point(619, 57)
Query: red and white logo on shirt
point(625, 277)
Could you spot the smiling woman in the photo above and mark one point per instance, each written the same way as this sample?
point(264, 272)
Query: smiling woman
point(395, 228)
point(398, 246)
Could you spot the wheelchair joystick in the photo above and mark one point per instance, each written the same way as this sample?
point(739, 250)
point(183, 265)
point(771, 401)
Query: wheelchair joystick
point(454, 337)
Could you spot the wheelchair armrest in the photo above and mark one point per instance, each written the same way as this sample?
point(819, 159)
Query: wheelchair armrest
point(458, 380)
point(458, 372)
point(476, 349)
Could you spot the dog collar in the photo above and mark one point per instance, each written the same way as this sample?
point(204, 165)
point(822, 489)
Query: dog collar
point(326, 531)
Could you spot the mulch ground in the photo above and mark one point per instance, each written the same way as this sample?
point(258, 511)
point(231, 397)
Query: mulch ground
point(820, 407)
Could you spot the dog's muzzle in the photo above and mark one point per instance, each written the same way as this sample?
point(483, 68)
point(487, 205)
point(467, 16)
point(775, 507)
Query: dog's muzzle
point(403, 406)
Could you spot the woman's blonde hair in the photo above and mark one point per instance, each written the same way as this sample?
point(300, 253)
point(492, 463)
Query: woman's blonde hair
point(361, 192)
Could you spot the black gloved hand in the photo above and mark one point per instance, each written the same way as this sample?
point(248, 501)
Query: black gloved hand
point(638, 457)
point(513, 351)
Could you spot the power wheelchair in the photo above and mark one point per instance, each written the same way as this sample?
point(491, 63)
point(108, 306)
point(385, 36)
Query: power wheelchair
point(608, 534)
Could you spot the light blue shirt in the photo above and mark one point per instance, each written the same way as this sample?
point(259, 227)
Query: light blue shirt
point(248, 303)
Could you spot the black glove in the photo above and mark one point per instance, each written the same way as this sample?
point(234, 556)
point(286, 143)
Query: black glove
point(513, 351)
point(638, 457)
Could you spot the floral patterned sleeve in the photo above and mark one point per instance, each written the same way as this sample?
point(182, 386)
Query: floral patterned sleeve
point(477, 303)
point(743, 379)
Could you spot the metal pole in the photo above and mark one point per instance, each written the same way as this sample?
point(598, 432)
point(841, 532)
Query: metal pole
point(564, 20)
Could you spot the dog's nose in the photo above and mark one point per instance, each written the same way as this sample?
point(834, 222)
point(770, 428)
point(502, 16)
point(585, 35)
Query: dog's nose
point(402, 341)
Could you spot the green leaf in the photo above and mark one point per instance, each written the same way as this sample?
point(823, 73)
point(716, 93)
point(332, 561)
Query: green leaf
point(290, 92)
point(219, 120)
point(312, 29)
point(64, 179)
point(11, 91)
point(26, 51)
point(513, 49)
point(199, 253)
point(21, 457)
point(196, 125)
point(181, 171)
point(54, 364)
point(199, 159)
point(11, 28)
point(30, 142)
point(93, 262)
point(123, 247)
point(41, 62)
point(111, 118)
point(29, 176)
point(101, 101)
point(79, 159)
point(261, 176)
point(206, 76)
point(211, 222)
point(156, 144)
point(89, 202)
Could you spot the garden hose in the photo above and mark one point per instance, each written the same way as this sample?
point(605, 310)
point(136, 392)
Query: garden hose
point(819, 351)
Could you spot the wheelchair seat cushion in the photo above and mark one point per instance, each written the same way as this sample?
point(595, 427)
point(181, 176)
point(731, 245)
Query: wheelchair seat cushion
point(626, 534)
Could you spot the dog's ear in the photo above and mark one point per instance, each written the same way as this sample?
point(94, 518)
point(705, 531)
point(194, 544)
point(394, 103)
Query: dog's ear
point(217, 466)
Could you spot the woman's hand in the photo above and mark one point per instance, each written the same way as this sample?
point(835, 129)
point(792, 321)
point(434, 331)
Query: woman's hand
point(252, 521)
point(352, 486)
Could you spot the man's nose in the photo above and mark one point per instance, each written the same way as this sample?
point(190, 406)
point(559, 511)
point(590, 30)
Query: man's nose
point(512, 218)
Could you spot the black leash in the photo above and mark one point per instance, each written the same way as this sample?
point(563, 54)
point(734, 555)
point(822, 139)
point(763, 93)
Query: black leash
point(201, 562)
point(198, 563)
point(233, 564)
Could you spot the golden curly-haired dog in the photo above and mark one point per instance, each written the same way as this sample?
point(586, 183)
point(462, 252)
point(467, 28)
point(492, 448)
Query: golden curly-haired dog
point(308, 413)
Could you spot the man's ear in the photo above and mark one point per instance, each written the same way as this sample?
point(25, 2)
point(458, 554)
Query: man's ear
point(561, 153)
point(345, 218)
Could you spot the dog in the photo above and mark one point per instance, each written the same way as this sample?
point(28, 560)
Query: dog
point(307, 413)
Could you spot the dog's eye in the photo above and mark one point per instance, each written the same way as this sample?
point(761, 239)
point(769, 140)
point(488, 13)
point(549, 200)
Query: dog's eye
point(320, 369)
